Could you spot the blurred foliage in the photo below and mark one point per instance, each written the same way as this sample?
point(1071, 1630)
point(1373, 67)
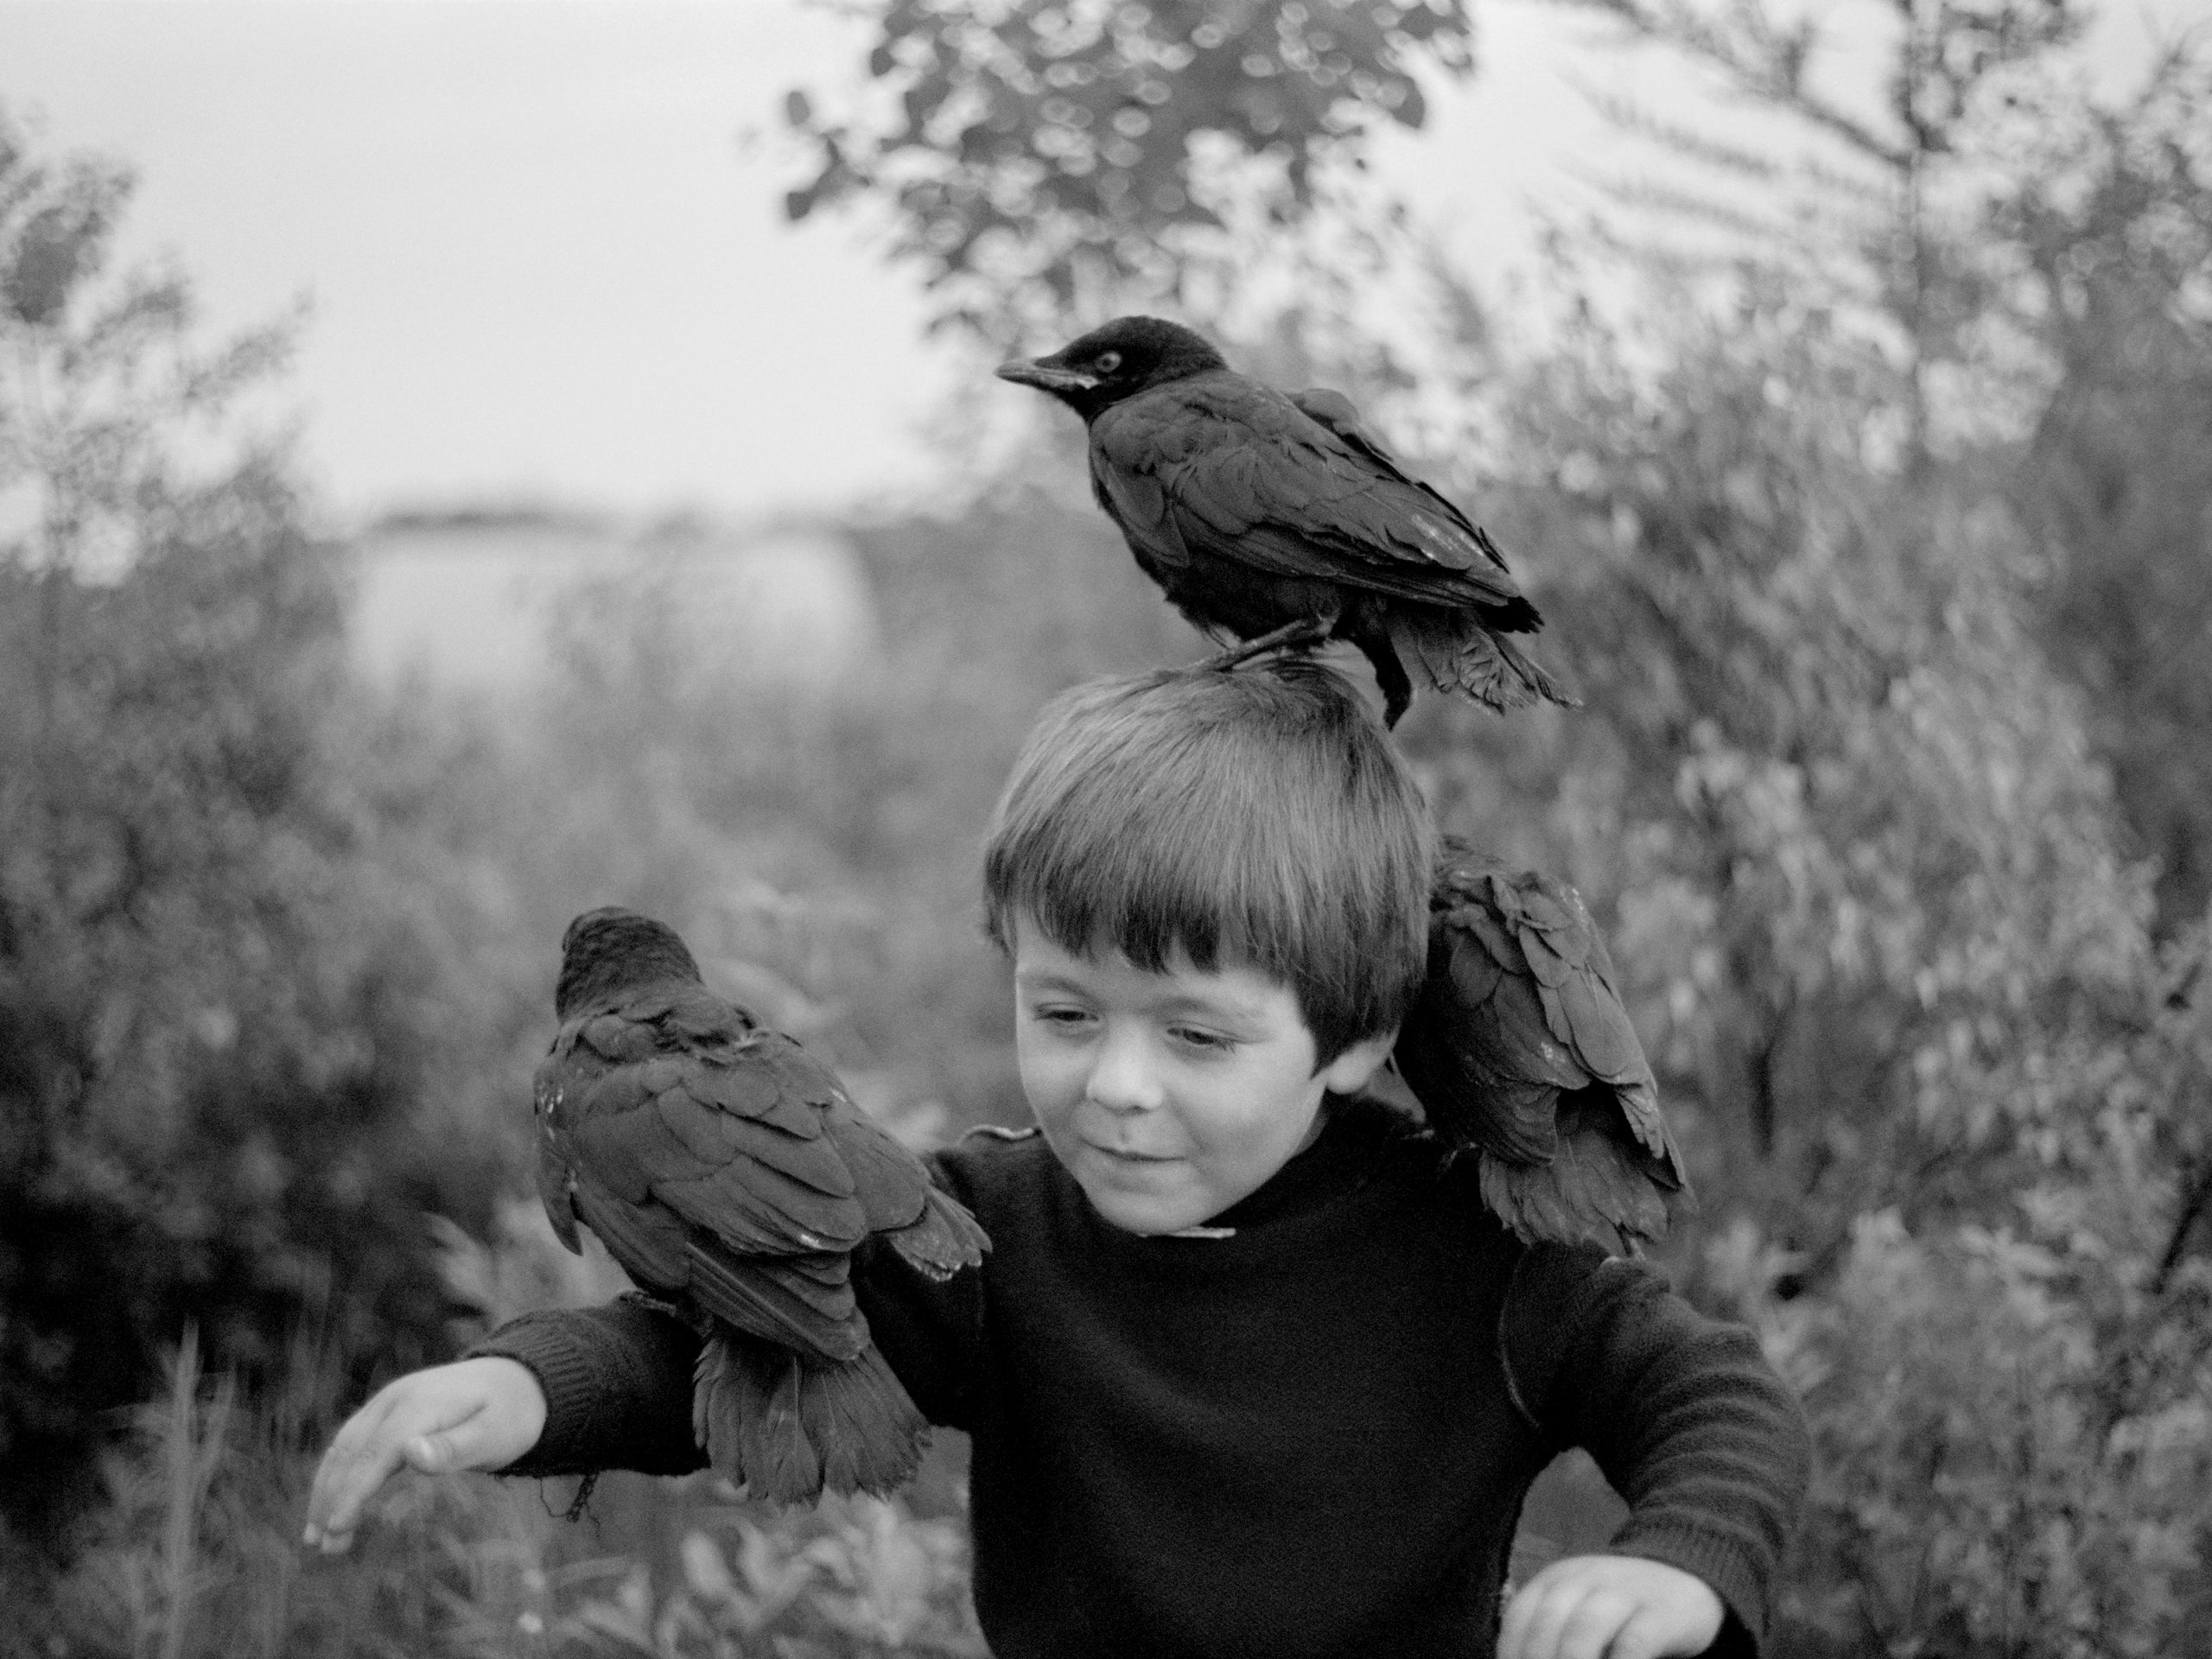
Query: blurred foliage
point(853, 1579)
point(2041, 265)
point(215, 1020)
point(1899, 983)
point(2112, 230)
point(1876, 203)
point(1038, 157)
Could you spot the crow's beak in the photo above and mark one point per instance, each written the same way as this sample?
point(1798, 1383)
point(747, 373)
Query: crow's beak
point(1046, 377)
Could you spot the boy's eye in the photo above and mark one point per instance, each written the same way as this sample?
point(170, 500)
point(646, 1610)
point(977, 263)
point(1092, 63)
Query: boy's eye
point(1197, 1036)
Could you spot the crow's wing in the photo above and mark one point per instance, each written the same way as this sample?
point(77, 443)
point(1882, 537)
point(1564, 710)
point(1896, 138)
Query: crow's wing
point(737, 1149)
point(701, 1149)
point(1519, 1048)
point(1599, 1186)
point(1134, 497)
point(930, 1230)
point(1341, 416)
point(1221, 466)
point(1475, 1048)
point(555, 1182)
point(1582, 1006)
point(1463, 651)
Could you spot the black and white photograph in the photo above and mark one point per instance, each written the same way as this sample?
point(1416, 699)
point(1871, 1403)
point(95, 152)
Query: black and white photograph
point(1105, 828)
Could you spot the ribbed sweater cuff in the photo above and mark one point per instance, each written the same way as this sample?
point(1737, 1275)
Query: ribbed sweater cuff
point(617, 1382)
point(566, 1377)
point(1716, 1559)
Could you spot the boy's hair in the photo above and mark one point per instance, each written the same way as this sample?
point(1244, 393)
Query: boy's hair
point(1258, 819)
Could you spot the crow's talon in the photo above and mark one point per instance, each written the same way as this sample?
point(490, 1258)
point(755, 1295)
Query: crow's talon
point(1306, 633)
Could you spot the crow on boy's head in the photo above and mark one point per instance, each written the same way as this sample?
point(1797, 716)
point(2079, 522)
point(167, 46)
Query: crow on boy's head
point(1280, 520)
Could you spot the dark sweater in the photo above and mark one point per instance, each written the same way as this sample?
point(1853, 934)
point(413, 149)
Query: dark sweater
point(1310, 1437)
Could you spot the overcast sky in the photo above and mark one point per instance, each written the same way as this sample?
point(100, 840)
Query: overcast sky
point(540, 262)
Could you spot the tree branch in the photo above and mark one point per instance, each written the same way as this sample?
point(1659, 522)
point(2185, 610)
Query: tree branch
point(1768, 67)
point(2195, 1198)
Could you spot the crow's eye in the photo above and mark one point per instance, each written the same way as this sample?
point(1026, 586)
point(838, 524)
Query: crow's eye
point(1106, 362)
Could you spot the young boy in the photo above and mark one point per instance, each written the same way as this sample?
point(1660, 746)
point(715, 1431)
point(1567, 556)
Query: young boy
point(1249, 1370)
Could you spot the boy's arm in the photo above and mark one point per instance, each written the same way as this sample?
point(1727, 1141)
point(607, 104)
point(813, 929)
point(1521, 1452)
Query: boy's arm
point(1683, 1415)
point(618, 1379)
point(565, 1391)
point(617, 1382)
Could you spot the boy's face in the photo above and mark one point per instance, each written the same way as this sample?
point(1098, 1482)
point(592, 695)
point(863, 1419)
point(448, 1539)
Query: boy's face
point(1167, 1096)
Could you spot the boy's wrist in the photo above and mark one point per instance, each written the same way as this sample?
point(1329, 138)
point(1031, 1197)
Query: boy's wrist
point(1593, 1606)
point(1716, 1562)
point(616, 1382)
point(560, 1378)
point(517, 1396)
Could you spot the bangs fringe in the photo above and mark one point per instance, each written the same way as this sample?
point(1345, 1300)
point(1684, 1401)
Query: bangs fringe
point(1279, 833)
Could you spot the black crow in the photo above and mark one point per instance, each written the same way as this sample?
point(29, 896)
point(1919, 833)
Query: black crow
point(1279, 520)
point(728, 1172)
point(1519, 1050)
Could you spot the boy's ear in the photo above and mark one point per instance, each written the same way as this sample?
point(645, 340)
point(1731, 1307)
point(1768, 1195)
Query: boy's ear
point(1348, 1073)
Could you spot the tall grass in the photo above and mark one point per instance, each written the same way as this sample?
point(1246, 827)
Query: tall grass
point(197, 1556)
point(191, 1442)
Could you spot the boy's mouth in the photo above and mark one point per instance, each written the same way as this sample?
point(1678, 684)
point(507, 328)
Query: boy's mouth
point(1129, 1157)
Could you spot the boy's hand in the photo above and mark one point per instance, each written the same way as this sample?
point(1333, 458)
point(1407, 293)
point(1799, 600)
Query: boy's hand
point(1609, 1607)
point(474, 1414)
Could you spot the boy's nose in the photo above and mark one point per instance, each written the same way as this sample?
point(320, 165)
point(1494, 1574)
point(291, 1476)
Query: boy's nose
point(1121, 1077)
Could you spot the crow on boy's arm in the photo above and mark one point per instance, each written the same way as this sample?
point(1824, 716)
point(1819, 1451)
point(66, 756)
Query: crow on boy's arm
point(729, 1174)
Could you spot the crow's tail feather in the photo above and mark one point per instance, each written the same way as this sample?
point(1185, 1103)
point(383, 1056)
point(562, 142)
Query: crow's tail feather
point(864, 1426)
point(788, 1429)
point(1461, 654)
